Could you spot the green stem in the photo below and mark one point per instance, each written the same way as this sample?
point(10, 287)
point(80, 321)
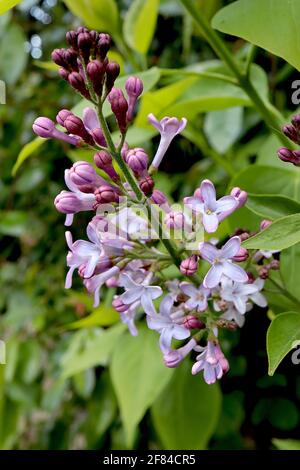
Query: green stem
point(250, 58)
point(271, 115)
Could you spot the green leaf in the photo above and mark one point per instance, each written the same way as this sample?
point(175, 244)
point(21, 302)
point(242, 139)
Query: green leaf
point(269, 24)
point(281, 234)
point(290, 268)
point(272, 206)
point(286, 444)
point(26, 152)
point(186, 413)
point(139, 24)
point(223, 128)
point(282, 335)
point(7, 5)
point(101, 15)
point(96, 350)
point(138, 376)
point(101, 316)
point(13, 56)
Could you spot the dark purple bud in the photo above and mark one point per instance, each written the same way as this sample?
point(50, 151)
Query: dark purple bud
point(103, 45)
point(189, 266)
point(240, 196)
point(102, 159)
point(119, 107)
point(191, 323)
point(106, 194)
point(94, 35)
point(98, 137)
point(96, 72)
point(82, 173)
point(77, 82)
point(137, 160)
point(58, 57)
point(82, 29)
point(264, 224)
point(62, 116)
point(70, 57)
point(124, 150)
point(112, 72)
point(241, 256)
point(84, 42)
point(119, 305)
point(264, 272)
point(296, 122)
point(289, 156)
point(43, 127)
point(71, 38)
point(134, 88)
point(75, 126)
point(291, 132)
point(147, 185)
point(251, 277)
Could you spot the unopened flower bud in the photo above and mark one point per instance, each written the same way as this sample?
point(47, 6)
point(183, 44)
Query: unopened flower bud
point(58, 57)
point(137, 160)
point(191, 323)
point(147, 185)
point(275, 264)
point(98, 137)
point(112, 72)
point(84, 42)
point(70, 57)
point(240, 196)
point(158, 197)
point(241, 256)
point(289, 156)
point(265, 224)
point(96, 72)
point(82, 173)
point(104, 42)
point(71, 38)
point(174, 220)
point(251, 277)
point(43, 127)
point(119, 107)
point(263, 272)
point(64, 74)
point(189, 266)
point(67, 202)
point(134, 88)
point(119, 305)
point(74, 125)
point(291, 132)
point(77, 82)
point(103, 161)
point(62, 116)
point(296, 121)
point(106, 194)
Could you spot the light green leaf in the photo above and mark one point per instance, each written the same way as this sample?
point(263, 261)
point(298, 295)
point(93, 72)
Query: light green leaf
point(272, 206)
point(139, 376)
point(281, 234)
point(282, 335)
point(101, 15)
point(101, 316)
point(26, 152)
point(7, 5)
point(13, 56)
point(223, 128)
point(270, 24)
point(186, 413)
point(91, 351)
point(286, 444)
point(139, 24)
point(290, 269)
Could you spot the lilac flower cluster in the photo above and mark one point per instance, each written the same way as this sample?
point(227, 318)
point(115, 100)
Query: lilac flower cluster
point(133, 232)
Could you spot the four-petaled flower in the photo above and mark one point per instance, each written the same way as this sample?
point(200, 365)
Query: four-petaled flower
point(221, 262)
point(198, 296)
point(239, 294)
point(139, 291)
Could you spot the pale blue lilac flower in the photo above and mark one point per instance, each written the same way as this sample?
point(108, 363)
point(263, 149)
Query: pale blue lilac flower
point(168, 128)
point(94, 283)
point(212, 361)
point(239, 294)
point(139, 291)
point(213, 211)
point(197, 296)
point(165, 323)
point(174, 357)
point(221, 261)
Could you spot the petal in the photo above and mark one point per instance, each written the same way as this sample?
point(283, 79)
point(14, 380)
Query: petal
point(90, 119)
point(90, 266)
point(154, 291)
point(259, 299)
point(131, 295)
point(234, 272)
point(213, 276)
point(157, 322)
point(68, 283)
point(182, 125)
point(69, 240)
point(154, 122)
point(226, 204)
point(208, 194)
point(166, 305)
point(198, 366)
point(231, 248)
point(188, 289)
point(240, 304)
point(147, 304)
point(127, 282)
point(180, 332)
point(209, 374)
point(166, 339)
point(209, 252)
point(210, 222)
point(195, 204)
point(69, 220)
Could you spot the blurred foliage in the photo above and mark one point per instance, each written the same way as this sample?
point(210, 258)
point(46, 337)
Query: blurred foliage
point(74, 378)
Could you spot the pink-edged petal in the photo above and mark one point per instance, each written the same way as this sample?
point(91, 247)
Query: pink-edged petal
point(182, 125)
point(213, 276)
point(231, 248)
point(234, 272)
point(198, 366)
point(69, 183)
point(154, 122)
point(210, 222)
point(208, 194)
point(226, 204)
point(208, 252)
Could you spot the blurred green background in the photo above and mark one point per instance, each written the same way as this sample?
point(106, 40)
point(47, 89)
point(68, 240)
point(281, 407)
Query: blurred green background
point(68, 382)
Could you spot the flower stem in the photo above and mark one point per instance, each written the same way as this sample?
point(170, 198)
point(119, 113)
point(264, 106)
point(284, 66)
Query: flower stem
point(270, 115)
